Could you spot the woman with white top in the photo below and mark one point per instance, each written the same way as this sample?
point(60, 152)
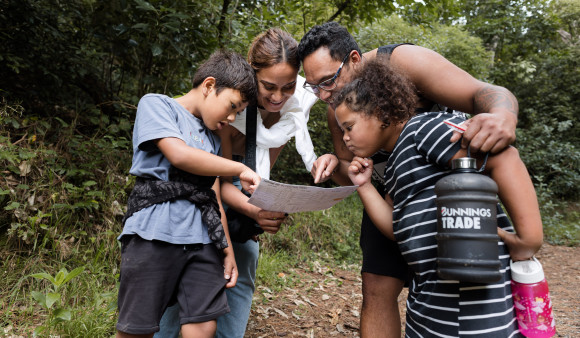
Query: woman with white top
point(283, 111)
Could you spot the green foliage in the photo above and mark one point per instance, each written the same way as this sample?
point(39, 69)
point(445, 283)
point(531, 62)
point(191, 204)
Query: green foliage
point(510, 28)
point(452, 42)
point(50, 191)
point(549, 123)
point(51, 297)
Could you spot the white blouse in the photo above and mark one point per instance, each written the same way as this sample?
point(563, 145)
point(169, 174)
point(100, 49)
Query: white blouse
point(293, 123)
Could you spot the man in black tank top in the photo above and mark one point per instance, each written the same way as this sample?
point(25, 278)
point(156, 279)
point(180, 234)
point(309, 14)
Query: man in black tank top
point(330, 55)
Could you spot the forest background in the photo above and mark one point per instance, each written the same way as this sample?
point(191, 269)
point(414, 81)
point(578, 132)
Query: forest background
point(72, 72)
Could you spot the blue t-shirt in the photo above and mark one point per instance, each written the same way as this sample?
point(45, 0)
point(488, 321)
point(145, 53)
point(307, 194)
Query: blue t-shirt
point(179, 221)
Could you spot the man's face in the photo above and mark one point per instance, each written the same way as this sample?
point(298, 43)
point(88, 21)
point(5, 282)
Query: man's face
point(319, 67)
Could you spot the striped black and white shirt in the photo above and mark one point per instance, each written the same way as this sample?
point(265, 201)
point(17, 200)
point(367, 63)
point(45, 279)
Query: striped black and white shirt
point(437, 307)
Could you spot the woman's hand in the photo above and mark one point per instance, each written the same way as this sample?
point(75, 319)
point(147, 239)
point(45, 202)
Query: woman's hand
point(360, 170)
point(270, 221)
point(230, 267)
point(324, 167)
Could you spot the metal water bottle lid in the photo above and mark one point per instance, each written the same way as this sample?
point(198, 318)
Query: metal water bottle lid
point(464, 163)
point(527, 272)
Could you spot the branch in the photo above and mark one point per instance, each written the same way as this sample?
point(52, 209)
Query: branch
point(222, 23)
point(340, 9)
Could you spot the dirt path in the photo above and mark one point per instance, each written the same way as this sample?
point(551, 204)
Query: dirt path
point(326, 303)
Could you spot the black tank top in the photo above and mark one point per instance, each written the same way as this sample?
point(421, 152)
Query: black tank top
point(428, 104)
point(388, 49)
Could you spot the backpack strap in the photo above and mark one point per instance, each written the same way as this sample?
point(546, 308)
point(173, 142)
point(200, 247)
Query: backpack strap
point(251, 121)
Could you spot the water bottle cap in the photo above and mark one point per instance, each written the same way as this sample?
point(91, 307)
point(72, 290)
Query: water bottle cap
point(464, 163)
point(527, 272)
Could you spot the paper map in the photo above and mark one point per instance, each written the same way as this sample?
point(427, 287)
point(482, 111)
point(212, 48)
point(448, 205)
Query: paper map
point(276, 196)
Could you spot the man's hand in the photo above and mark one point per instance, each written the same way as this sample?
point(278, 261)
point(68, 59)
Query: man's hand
point(487, 133)
point(324, 167)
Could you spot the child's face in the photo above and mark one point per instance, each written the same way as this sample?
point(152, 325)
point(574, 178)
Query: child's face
point(221, 110)
point(276, 84)
point(363, 135)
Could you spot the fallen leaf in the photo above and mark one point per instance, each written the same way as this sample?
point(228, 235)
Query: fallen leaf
point(308, 301)
point(25, 168)
point(280, 312)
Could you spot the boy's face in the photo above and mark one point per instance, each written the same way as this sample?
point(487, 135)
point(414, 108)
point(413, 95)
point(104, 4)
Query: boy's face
point(363, 135)
point(221, 109)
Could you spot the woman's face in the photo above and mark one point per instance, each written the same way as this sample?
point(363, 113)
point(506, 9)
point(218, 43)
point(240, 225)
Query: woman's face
point(275, 86)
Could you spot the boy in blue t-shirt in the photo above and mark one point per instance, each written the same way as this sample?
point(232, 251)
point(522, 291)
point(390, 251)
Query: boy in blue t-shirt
point(174, 245)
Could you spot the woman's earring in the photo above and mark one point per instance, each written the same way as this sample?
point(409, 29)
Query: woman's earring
point(383, 126)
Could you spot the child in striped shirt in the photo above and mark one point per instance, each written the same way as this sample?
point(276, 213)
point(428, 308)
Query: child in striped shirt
point(376, 112)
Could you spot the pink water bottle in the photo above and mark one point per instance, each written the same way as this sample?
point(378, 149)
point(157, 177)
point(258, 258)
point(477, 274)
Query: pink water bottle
point(532, 299)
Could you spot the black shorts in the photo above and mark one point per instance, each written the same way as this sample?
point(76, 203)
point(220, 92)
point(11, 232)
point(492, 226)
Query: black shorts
point(381, 256)
point(155, 274)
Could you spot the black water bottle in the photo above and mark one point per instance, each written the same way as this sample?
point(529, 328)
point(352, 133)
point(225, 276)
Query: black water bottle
point(467, 240)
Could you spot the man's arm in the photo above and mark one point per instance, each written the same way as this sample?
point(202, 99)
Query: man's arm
point(437, 79)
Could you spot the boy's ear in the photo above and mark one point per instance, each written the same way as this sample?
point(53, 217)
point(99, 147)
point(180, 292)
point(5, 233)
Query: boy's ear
point(208, 85)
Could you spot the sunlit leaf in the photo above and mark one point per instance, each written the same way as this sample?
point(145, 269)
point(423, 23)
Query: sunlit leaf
point(52, 298)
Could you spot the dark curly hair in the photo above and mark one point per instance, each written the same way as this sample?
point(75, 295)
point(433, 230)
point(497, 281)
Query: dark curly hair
point(380, 90)
point(330, 35)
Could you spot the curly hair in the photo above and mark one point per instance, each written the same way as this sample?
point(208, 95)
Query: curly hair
point(380, 90)
point(330, 35)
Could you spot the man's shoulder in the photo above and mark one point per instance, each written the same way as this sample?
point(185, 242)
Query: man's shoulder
point(390, 49)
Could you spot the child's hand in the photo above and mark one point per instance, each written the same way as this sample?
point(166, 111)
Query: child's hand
point(518, 248)
point(249, 180)
point(230, 268)
point(360, 170)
